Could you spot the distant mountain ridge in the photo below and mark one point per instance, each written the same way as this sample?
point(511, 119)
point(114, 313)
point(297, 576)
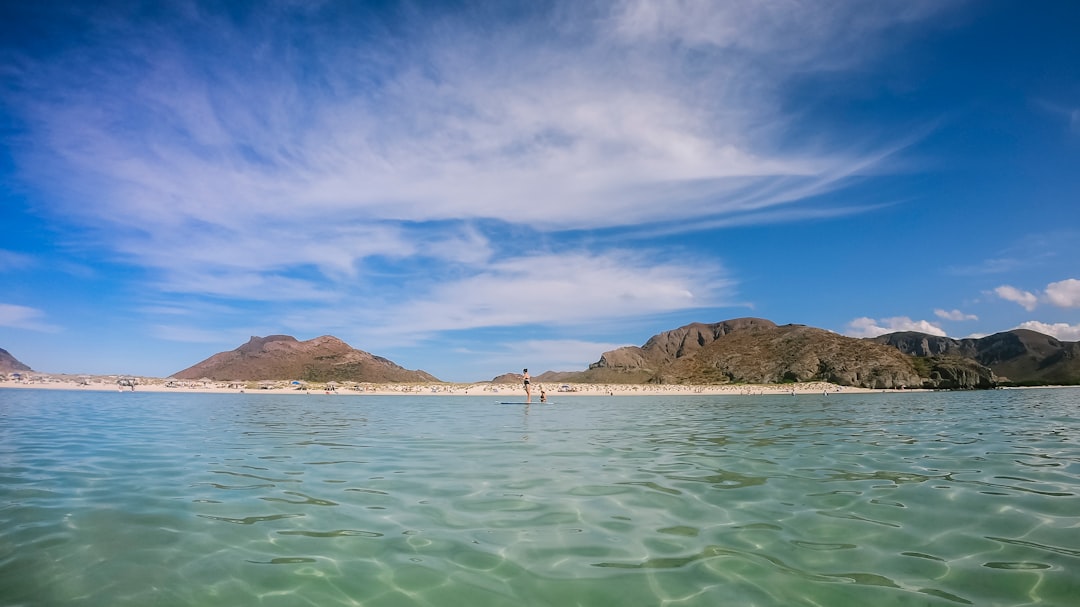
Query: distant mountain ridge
point(10, 364)
point(1019, 356)
point(322, 359)
point(755, 350)
point(741, 350)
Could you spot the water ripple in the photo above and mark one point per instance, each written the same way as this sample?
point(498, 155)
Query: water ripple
point(882, 499)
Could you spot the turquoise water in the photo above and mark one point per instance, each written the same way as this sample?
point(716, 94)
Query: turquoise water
point(251, 499)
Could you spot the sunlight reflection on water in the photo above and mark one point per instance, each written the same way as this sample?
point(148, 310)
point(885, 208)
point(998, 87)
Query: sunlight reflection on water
point(884, 499)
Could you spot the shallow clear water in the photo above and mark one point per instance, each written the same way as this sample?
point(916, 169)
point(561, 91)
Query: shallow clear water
point(872, 499)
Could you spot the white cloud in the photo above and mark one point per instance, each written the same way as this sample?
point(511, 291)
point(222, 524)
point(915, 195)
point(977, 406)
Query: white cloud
point(1060, 330)
point(22, 317)
point(815, 36)
point(1065, 293)
point(869, 327)
point(564, 289)
point(382, 185)
point(200, 158)
point(1026, 299)
point(954, 315)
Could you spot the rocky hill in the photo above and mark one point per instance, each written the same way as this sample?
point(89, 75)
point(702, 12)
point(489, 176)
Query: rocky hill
point(755, 350)
point(10, 364)
point(508, 378)
point(1018, 357)
point(321, 359)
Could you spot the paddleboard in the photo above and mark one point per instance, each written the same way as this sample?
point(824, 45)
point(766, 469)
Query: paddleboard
point(535, 402)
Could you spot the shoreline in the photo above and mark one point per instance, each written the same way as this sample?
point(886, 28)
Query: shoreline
point(554, 390)
point(503, 390)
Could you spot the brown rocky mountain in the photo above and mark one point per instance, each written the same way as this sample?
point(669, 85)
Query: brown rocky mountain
point(321, 359)
point(683, 342)
point(508, 378)
point(10, 364)
point(754, 350)
point(1018, 357)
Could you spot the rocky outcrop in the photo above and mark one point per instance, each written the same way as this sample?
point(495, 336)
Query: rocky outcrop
point(1019, 357)
point(754, 350)
point(958, 373)
point(665, 347)
point(914, 343)
point(795, 353)
point(321, 359)
point(10, 364)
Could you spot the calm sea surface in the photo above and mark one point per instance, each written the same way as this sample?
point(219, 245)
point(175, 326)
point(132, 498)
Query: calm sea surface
point(127, 498)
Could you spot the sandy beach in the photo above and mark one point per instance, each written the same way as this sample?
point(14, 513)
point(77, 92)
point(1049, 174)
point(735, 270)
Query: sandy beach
point(145, 384)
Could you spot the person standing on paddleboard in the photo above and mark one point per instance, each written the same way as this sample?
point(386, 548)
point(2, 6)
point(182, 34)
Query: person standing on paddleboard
point(528, 390)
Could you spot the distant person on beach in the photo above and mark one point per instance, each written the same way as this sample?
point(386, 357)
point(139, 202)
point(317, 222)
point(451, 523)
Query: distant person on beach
point(528, 390)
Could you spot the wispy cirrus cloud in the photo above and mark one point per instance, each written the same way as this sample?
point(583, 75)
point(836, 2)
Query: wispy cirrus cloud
point(1031, 250)
point(182, 141)
point(562, 289)
point(432, 170)
point(24, 317)
point(10, 260)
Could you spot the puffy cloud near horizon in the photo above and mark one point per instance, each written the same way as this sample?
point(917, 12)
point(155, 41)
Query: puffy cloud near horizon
point(1029, 301)
point(869, 327)
point(1060, 330)
point(1064, 294)
point(956, 315)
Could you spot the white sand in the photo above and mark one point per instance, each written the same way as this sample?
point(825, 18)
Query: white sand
point(148, 384)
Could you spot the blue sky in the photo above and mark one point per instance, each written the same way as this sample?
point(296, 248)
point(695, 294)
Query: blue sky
point(471, 188)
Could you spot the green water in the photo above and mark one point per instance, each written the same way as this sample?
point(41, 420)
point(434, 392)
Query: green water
point(873, 499)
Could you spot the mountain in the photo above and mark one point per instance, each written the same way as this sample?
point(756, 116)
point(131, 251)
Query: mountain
point(508, 378)
point(755, 350)
point(683, 342)
point(321, 359)
point(554, 377)
point(10, 364)
point(1018, 357)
